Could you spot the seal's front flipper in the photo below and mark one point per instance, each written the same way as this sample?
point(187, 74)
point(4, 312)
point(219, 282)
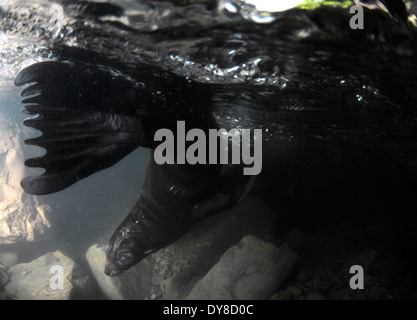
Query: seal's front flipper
point(86, 118)
point(230, 190)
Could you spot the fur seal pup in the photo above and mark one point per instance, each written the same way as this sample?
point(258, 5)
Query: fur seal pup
point(335, 110)
point(108, 118)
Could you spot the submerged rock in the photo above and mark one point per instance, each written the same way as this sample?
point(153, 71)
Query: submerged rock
point(200, 249)
point(252, 269)
point(22, 218)
point(40, 279)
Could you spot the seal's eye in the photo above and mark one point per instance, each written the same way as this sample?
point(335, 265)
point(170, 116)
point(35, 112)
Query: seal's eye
point(124, 258)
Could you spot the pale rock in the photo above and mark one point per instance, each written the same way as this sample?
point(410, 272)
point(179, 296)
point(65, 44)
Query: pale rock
point(37, 280)
point(252, 269)
point(192, 256)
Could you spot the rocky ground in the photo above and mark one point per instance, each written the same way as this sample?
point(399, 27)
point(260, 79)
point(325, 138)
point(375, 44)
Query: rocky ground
point(232, 248)
point(383, 250)
point(234, 255)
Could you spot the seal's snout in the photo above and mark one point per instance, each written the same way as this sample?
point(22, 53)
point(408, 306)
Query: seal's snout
point(107, 269)
point(111, 270)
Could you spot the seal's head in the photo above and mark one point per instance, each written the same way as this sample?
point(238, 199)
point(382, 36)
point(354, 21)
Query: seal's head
point(128, 245)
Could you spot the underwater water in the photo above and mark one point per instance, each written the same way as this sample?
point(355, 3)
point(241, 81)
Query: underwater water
point(317, 89)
